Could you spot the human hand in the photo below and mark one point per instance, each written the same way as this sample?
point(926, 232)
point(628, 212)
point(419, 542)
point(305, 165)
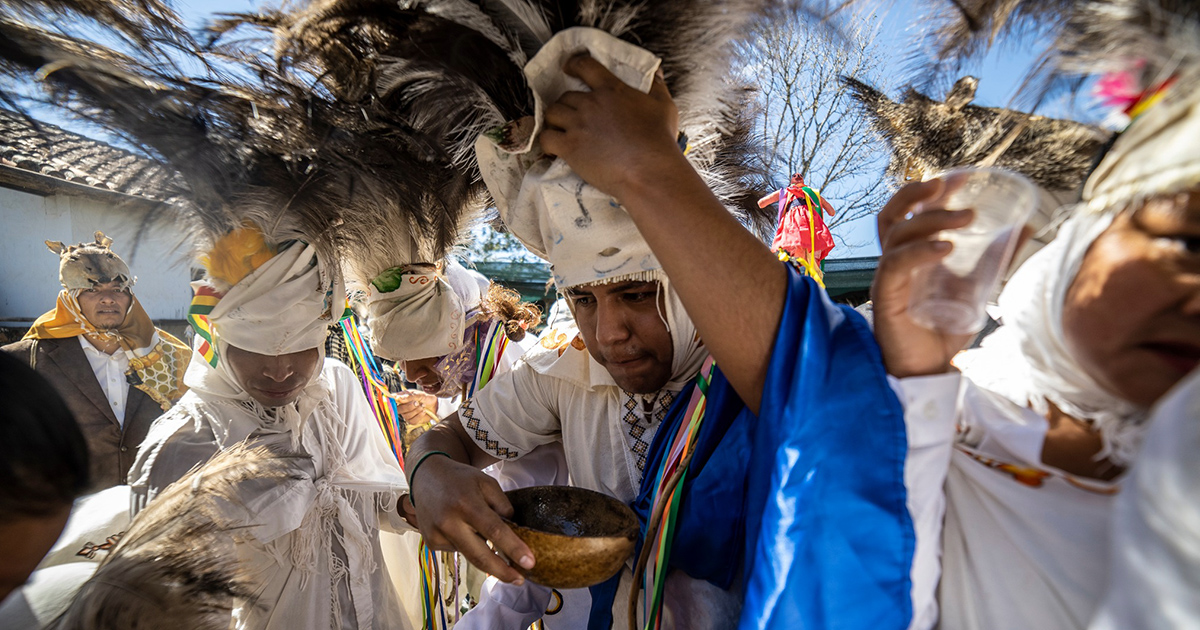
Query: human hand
point(908, 226)
point(614, 136)
point(416, 408)
point(460, 509)
point(407, 510)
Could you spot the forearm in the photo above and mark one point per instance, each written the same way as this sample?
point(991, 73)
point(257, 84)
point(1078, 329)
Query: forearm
point(449, 437)
point(733, 287)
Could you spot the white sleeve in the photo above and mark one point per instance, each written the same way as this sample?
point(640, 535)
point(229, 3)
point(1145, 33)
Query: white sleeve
point(930, 411)
point(516, 413)
point(447, 406)
point(506, 606)
point(372, 460)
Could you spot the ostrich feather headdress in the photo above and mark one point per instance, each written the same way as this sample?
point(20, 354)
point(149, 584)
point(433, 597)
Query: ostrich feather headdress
point(453, 70)
point(250, 141)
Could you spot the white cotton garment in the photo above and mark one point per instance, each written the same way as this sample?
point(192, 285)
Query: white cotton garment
point(559, 393)
point(1156, 524)
point(1025, 545)
point(96, 522)
point(315, 552)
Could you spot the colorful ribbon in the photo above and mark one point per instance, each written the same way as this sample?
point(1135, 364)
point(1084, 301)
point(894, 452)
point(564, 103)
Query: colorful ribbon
point(668, 494)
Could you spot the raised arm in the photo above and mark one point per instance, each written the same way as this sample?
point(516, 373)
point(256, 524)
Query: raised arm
point(456, 504)
point(624, 143)
point(828, 207)
point(768, 200)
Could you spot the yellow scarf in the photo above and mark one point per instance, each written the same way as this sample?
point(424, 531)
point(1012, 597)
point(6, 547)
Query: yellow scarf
point(157, 360)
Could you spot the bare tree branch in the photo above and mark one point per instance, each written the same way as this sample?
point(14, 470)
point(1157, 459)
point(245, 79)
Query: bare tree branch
point(810, 123)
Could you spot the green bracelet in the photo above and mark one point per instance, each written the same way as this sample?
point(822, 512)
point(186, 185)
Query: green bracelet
point(412, 477)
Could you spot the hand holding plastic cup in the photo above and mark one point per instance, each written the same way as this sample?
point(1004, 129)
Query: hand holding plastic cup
point(951, 295)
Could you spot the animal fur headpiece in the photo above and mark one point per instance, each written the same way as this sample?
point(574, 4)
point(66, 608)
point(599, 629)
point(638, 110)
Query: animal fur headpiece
point(85, 265)
point(928, 137)
point(1151, 41)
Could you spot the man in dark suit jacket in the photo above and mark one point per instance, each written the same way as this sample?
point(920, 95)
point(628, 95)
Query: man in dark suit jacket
point(98, 347)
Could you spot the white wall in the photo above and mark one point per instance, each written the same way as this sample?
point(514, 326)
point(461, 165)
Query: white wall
point(29, 271)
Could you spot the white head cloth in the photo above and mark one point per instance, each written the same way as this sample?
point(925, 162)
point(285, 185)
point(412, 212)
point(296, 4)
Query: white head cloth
point(282, 307)
point(427, 315)
point(1157, 155)
point(584, 234)
point(1028, 359)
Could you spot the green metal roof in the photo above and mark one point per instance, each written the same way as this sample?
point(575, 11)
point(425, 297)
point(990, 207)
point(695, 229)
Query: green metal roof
point(531, 279)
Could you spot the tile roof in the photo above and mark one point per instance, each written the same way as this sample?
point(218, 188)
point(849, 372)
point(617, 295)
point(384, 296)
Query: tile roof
point(53, 152)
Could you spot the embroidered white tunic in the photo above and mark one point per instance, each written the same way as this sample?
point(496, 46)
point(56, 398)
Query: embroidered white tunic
point(602, 429)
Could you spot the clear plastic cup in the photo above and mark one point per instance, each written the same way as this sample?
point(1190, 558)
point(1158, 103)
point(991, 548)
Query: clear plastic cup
point(951, 295)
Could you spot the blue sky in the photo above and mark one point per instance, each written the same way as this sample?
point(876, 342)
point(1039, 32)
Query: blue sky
point(1000, 74)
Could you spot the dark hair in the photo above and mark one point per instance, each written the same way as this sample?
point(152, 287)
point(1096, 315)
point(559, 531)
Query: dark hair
point(43, 456)
point(506, 305)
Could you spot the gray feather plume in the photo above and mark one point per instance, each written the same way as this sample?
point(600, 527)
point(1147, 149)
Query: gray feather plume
point(452, 70)
point(1155, 39)
point(176, 567)
point(250, 140)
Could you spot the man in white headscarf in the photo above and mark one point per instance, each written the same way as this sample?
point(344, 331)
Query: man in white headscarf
point(604, 388)
point(600, 389)
point(1098, 326)
point(259, 375)
point(453, 332)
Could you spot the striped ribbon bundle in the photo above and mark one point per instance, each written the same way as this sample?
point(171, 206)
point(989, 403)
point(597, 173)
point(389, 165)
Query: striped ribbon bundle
point(487, 358)
point(432, 605)
point(654, 560)
point(387, 412)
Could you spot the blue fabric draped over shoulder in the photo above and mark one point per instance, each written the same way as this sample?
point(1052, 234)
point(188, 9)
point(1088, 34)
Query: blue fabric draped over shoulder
point(806, 502)
point(829, 540)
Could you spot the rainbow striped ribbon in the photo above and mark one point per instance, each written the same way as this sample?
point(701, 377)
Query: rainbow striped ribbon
point(203, 303)
point(678, 453)
point(387, 412)
point(487, 358)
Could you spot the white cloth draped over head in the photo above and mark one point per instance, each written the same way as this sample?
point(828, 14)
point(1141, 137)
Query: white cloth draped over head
point(282, 307)
point(427, 315)
point(576, 365)
point(1157, 155)
point(584, 234)
point(1028, 360)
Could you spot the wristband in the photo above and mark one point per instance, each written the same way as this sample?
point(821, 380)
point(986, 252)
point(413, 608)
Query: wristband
point(412, 477)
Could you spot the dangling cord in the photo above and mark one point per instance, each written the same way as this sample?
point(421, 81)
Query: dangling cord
point(433, 610)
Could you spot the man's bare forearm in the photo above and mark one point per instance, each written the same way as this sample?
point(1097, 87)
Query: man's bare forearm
point(733, 287)
point(449, 437)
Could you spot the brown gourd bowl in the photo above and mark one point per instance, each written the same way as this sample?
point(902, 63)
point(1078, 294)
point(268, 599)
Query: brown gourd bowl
point(579, 537)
